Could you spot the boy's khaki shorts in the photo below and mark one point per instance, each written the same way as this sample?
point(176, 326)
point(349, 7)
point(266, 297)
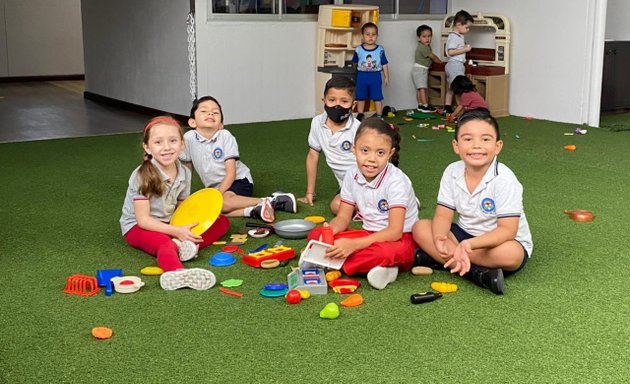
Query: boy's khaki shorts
point(420, 76)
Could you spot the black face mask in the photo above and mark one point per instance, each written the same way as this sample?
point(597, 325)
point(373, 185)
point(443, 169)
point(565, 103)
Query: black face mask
point(337, 113)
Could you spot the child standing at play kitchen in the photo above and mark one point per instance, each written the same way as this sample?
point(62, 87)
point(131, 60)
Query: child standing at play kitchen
point(155, 189)
point(492, 234)
point(384, 200)
point(332, 133)
point(424, 58)
point(371, 61)
point(213, 152)
point(455, 50)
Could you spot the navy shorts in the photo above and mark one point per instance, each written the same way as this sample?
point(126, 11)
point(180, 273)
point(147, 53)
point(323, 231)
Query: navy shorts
point(462, 235)
point(369, 86)
point(242, 187)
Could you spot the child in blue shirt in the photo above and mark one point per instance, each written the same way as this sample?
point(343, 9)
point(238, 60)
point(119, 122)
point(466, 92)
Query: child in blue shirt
point(371, 61)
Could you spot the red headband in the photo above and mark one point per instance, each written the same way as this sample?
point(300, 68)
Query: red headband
point(163, 119)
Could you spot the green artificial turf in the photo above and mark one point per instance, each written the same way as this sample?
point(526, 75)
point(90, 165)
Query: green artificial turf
point(564, 318)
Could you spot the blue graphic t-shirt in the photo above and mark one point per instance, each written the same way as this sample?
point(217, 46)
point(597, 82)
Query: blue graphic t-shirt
point(369, 60)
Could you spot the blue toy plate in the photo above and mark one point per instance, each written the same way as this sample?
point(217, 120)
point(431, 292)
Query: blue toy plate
point(222, 259)
point(275, 287)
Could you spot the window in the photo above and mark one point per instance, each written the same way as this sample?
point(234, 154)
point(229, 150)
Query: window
point(267, 6)
point(422, 7)
point(296, 7)
point(406, 7)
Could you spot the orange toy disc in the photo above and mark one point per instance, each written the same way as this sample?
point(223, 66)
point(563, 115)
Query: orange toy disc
point(102, 332)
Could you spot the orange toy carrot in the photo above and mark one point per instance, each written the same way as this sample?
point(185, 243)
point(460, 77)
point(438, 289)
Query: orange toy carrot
point(353, 300)
point(570, 147)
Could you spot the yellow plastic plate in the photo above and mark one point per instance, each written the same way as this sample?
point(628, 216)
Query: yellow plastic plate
point(315, 219)
point(202, 207)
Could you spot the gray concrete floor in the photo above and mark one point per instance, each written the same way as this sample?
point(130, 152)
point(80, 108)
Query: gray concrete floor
point(56, 109)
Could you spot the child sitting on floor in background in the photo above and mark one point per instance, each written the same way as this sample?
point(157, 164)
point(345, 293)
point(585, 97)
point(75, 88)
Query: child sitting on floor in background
point(384, 200)
point(468, 99)
point(332, 132)
point(155, 189)
point(492, 234)
point(213, 152)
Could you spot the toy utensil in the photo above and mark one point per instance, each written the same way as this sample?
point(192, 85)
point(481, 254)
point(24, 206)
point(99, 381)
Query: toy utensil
point(425, 297)
point(288, 229)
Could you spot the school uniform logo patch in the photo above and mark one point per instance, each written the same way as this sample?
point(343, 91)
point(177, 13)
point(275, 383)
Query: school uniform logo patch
point(487, 205)
point(382, 205)
point(217, 153)
point(346, 146)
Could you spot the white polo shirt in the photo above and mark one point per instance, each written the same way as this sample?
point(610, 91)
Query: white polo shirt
point(498, 195)
point(161, 207)
point(209, 156)
point(338, 147)
point(390, 189)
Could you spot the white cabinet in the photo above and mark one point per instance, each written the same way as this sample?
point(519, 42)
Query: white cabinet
point(338, 36)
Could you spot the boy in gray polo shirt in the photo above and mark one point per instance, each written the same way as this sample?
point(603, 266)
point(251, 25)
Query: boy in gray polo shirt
point(456, 50)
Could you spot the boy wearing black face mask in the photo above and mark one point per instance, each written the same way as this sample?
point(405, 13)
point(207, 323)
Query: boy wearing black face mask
point(332, 132)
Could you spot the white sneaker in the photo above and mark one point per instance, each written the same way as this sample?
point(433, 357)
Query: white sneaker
point(379, 277)
point(195, 278)
point(187, 249)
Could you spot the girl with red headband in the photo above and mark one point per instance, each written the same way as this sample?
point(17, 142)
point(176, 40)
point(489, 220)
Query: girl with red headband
point(155, 189)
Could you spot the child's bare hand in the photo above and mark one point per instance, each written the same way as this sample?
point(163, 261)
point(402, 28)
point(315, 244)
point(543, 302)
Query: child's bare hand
point(309, 198)
point(442, 246)
point(184, 233)
point(386, 81)
point(341, 249)
point(467, 48)
point(460, 262)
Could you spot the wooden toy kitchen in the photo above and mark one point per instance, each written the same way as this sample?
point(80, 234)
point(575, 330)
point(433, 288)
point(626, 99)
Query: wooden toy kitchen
point(487, 62)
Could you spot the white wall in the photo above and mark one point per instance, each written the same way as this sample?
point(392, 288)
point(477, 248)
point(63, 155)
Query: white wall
point(552, 46)
point(137, 51)
point(265, 70)
point(40, 38)
point(617, 26)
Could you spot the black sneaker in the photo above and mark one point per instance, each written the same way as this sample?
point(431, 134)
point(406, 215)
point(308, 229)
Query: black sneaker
point(360, 116)
point(281, 201)
point(489, 278)
point(263, 211)
point(448, 109)
point(422, 259)
point(426, 108)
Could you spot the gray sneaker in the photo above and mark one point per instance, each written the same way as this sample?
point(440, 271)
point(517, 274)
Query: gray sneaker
point(281, 201)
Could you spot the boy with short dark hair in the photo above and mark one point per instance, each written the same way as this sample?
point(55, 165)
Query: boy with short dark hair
point(371, 61)
point(455, 50)
point(491, 236)
point(420, 72)
point(332, 133)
